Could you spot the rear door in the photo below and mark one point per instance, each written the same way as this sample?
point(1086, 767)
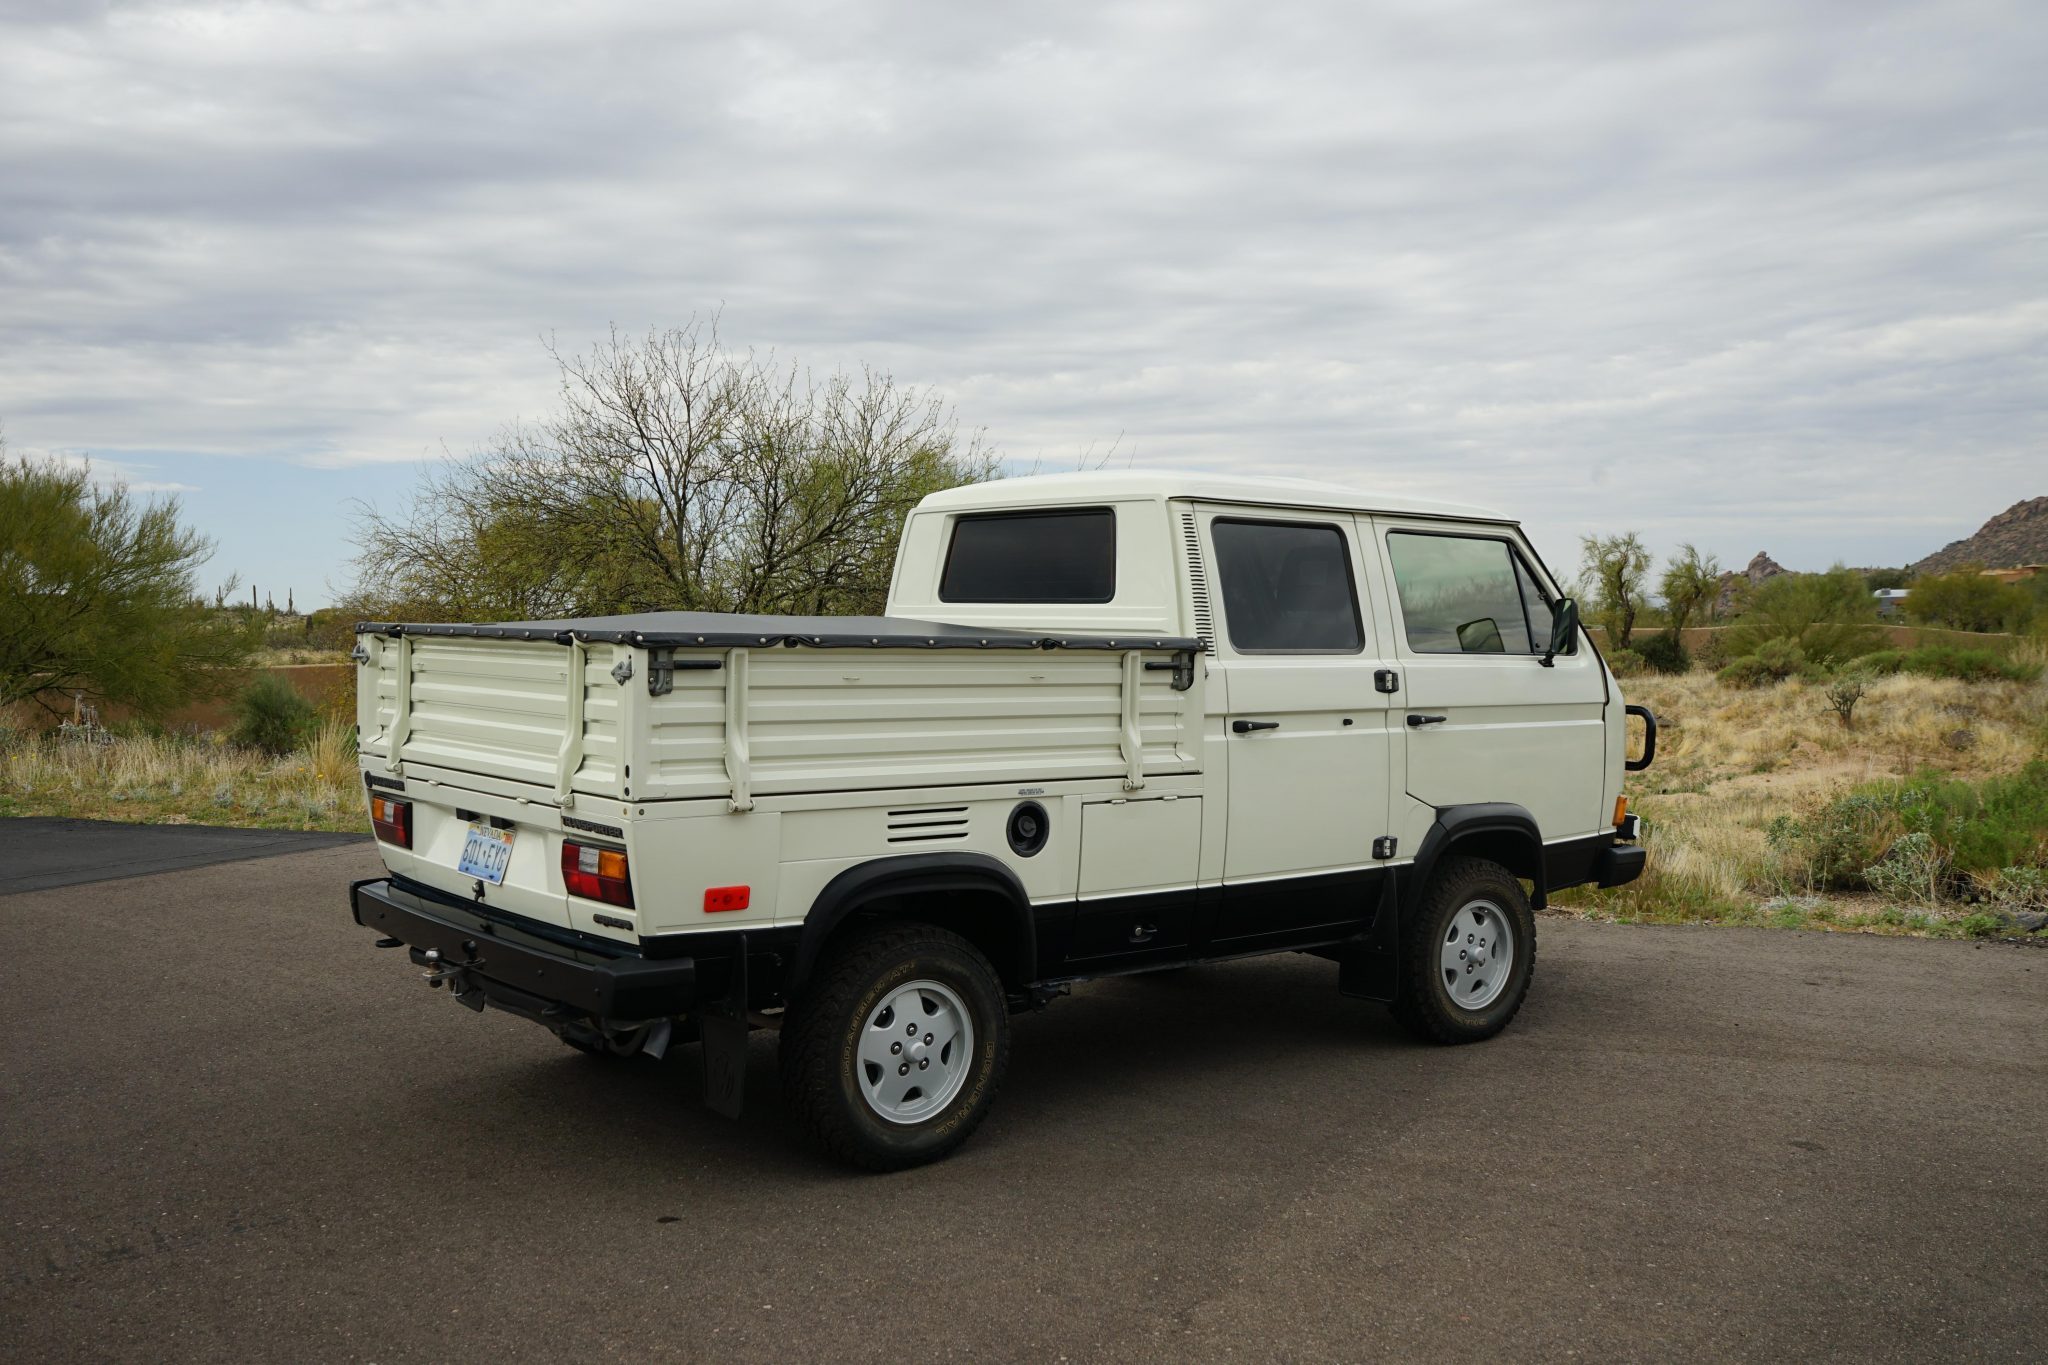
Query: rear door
point(1486, 720)
point(1306, 736)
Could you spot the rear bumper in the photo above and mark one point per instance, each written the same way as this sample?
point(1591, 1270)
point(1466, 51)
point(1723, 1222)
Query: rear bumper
point(522, 972)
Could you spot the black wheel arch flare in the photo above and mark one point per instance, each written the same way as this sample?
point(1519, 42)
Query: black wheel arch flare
point(1011, 942)
point(1500, 831)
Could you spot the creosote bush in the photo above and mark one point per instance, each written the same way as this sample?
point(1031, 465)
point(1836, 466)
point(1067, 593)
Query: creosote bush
point(1664, 652)
point(270, 715)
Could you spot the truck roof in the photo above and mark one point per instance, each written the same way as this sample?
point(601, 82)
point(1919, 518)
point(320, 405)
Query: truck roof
point(1151, 483)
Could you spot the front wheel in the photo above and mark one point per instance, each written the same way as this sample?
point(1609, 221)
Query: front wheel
point(1468, 955)
point(893, 1056)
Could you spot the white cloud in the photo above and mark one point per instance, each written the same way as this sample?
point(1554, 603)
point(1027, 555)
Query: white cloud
point(105, 473)
point(1720, 272)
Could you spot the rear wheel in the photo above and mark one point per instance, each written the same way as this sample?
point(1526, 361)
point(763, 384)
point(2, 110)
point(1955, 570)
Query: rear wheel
point(1468, 955)
point(893, 1056)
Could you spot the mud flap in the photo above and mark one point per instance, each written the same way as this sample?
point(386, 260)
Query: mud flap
point(1368, 969)
point(723, 1026)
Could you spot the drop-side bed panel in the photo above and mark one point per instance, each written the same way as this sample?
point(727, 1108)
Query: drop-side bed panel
point(777, 714)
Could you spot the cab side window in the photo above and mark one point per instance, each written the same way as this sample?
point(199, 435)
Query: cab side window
point(1466, 595)
point(1287, 587)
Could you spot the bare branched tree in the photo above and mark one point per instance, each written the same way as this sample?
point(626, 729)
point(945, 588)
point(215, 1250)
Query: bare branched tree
point(674, 475)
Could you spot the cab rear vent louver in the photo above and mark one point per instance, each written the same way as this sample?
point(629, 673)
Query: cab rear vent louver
point(923, 826)
point(1198, 583)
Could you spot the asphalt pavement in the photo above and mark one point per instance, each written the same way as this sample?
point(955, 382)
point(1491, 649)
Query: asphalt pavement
point(39, 853)
point(231, 1129)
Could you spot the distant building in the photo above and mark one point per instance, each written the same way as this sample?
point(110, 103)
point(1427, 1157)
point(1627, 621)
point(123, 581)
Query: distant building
point(2018, 573)
point(1890, 601)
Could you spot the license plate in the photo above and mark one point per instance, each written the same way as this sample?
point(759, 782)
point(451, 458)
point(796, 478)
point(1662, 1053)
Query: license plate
point(485, 853)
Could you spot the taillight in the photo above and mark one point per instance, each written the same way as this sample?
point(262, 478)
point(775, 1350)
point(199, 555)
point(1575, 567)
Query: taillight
point(596, 874)
point(392, 820)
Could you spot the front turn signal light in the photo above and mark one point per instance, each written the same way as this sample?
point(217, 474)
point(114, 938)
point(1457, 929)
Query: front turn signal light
point(1620, 811)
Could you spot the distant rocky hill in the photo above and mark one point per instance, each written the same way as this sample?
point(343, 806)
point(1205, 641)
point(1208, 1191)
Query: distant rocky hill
point(2018, 535)
point(1733, 585)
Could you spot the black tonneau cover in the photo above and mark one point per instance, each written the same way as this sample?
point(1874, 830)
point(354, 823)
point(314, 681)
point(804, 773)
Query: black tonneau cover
point(716, 630)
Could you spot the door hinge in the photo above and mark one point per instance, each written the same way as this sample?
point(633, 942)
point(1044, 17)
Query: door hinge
point(1385, 680)
point(1384, 846)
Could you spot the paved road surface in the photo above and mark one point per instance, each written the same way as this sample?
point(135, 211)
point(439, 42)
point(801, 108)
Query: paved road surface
point(39, 853)
point(233, 1129)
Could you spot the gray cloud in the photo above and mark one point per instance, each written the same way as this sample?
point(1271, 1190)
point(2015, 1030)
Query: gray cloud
point(1747, 274)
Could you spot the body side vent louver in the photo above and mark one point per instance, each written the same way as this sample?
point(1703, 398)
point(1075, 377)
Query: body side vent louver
point(923, 826)
point(1198, 583)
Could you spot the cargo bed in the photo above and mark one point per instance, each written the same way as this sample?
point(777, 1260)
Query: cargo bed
point(688, 706)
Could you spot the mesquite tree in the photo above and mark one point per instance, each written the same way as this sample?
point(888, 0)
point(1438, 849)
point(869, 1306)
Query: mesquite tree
point(98, 595)
point(674, 474)
point(1614, 570)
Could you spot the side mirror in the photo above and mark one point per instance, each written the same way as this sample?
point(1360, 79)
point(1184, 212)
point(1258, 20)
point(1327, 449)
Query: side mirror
point(1481, 637)
point(1564, 625)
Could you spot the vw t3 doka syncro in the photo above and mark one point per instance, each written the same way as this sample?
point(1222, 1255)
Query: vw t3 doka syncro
point(1112, 723)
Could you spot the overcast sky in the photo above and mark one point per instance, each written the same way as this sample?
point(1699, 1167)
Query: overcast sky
point(1762, 276)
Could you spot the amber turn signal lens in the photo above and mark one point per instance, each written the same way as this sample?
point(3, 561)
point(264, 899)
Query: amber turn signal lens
point(1620, 810)
point(392, 820)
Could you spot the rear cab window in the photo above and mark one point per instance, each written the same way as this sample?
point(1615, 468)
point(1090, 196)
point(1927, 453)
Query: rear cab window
point(1063, 554)
point(1467, 594)
point(1287, 587)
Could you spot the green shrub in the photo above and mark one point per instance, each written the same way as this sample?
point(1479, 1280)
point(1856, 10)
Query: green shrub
point(2001, 822)
point(1881, 664)
point(1912, 870)
point(1828, 615)
point(1970, 665)
point(1981, 925)
point(270, 715)
point(1664, 652)
point(2021, 888)
point(1626, 663)
point(1968, 600)
point(1712, 653)
point(1773, 661)
point(1829, 849)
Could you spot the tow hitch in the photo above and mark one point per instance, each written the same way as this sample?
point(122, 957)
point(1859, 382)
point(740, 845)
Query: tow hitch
point(455, 974)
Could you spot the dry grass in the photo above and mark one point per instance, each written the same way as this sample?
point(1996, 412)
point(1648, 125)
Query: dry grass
point(1730, 761)
point(167, 780)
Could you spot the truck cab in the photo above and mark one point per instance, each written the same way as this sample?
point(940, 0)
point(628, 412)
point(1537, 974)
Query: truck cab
point(1110, 723)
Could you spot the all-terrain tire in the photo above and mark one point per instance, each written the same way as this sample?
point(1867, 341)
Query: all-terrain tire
point(1446, 950)
point(824, 1068)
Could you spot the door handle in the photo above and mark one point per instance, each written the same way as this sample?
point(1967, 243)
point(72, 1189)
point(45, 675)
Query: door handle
point(1245, 727)
point(1141, 932)
point(1419, 721)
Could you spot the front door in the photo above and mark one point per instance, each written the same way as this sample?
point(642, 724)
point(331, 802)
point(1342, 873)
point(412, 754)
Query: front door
point(1486, 720)
point(1306, 735)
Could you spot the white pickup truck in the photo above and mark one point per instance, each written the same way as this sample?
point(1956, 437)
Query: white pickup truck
point(1112, 723)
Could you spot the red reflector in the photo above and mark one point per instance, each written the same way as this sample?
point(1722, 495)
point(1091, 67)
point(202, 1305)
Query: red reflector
point(392, 820)
point(727, 898)
point(596, 874)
